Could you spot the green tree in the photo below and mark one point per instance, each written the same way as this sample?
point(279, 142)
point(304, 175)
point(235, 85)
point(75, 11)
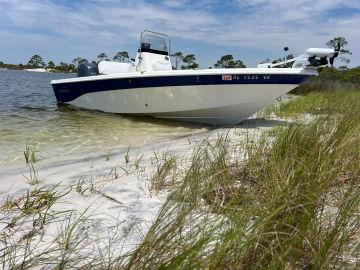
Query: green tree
point(102, 57)
point(282, 59)
point(179, 57)
point(1, 64)
point(51, 64)
point(228, 61)
point(65, 67)
point(36, 61)
point(122, 56)
point(62, 67)
point(189, 61)
point(76, 61)
point(267, 60)
point(343, 53)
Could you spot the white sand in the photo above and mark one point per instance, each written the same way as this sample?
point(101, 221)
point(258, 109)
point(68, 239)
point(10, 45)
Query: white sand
point(37, 69)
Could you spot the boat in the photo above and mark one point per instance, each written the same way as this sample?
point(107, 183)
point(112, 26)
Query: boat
point(149, 85)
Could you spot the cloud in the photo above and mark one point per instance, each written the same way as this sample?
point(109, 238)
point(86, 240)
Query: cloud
point(244, 26)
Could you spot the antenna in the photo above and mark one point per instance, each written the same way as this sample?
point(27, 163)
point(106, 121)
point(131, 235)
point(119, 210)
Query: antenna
point(285, 49)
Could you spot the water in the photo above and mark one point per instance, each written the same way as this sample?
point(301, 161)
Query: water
point(28, 112)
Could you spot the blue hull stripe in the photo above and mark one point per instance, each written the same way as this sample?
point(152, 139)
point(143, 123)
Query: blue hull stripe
point(66, 92)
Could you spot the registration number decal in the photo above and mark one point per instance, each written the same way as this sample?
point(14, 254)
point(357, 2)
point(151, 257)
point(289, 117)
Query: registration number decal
point(253, 77)
point(226, 77)
point(245, 77)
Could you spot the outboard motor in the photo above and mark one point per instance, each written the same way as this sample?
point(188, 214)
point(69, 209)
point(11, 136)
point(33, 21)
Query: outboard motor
point(87, 69)
point(312, 58)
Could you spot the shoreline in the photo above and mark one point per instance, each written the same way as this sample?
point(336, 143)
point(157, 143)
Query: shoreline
point(122, 182)
point(39, 70)
point(180, 144)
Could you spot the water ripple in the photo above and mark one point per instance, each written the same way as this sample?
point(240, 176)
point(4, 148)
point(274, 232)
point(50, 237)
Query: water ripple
point(28, 110)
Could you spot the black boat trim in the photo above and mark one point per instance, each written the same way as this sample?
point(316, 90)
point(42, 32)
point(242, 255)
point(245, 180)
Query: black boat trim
point(68, 91)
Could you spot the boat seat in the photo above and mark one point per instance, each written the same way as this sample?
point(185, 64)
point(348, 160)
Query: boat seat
point(161, 65)
point(107, 67)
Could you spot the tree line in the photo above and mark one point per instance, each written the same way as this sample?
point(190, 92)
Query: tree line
point(180, 60)
point(36, 61)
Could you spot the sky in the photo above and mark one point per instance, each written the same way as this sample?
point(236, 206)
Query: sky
point(251, 30)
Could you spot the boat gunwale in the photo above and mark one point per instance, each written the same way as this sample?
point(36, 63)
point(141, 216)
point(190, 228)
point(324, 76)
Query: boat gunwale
point(170, 73)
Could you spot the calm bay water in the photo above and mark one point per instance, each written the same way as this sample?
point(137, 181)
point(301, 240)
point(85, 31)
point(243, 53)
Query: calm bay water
point(28, 111)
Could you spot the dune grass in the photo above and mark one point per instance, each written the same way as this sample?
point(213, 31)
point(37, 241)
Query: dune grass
point(331, 79)
point(30, 152)
point(293, 204)
point(316, 103)
point(163, 177)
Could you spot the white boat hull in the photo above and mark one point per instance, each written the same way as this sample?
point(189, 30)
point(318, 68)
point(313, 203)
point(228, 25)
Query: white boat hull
point(210, 104)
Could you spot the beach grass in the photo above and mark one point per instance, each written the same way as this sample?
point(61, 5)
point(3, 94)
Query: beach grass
point(293, 204)
point(331, 79)
point(30, 152)
point(289, 199)
point(163, 177)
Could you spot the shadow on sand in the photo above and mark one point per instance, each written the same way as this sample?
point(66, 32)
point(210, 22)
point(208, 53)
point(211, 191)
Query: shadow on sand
point(261, 122)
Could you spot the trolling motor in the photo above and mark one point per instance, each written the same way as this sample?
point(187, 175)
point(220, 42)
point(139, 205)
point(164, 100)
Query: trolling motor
point(312, 58)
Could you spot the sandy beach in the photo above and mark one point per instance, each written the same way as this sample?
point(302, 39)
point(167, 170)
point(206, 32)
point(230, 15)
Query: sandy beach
point(38, 70)
point(120, 197)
